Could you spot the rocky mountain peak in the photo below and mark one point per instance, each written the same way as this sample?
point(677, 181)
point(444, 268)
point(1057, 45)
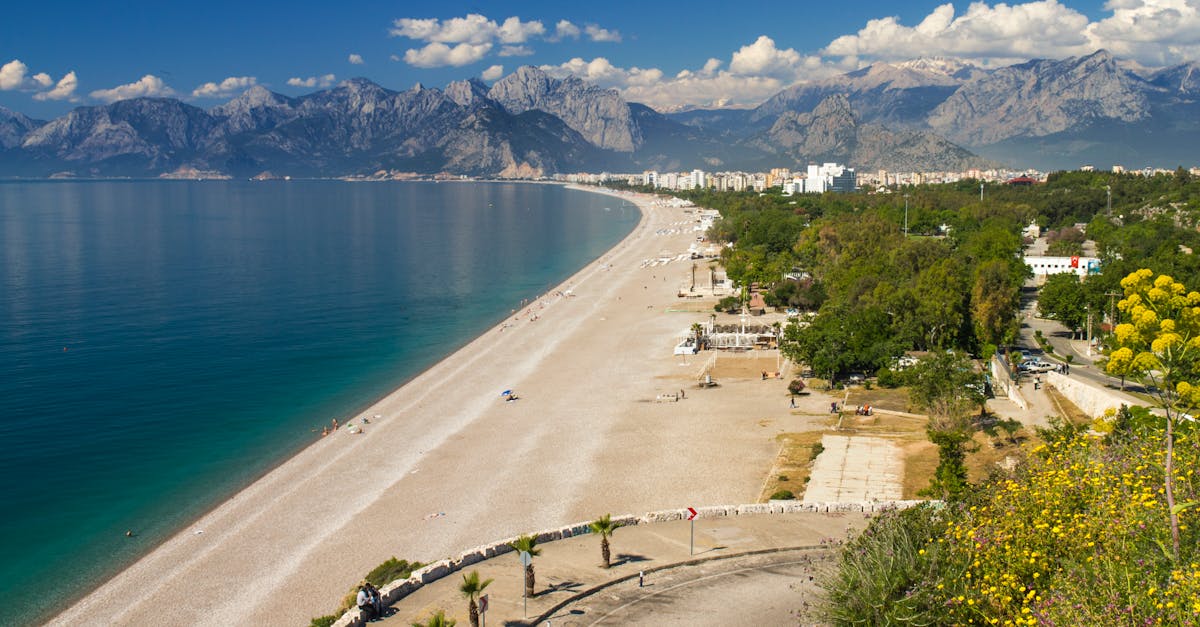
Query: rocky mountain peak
point(601, 115)
point(468, 93)
point(837, 105)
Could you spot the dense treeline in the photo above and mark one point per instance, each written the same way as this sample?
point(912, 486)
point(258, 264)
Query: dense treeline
point(954, 282)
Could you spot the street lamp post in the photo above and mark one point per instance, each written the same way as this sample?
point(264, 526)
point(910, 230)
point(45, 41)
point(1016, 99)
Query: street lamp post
point(981, 191)
point(906, 215)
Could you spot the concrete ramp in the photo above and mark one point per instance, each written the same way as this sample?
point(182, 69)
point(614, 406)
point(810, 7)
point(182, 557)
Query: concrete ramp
point(856, 469)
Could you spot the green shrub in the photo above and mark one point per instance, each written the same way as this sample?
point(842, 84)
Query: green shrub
point(783, 495)
point(817, 449)
point(390, 571)
point(889, 378)
point(729, 304)
point(323, 621)
point(783, 477)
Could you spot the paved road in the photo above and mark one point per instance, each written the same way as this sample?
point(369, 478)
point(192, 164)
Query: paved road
point(855, 469)
point(1060, 339)
point(771, 589)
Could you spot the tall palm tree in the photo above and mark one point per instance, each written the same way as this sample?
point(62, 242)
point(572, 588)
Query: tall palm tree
point(527, 544)
point(437, 619)
point(604, 526)
point(471, 588)
point(698, 333)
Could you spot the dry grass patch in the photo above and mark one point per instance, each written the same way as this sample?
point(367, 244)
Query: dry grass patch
point(794, 464)
point(1066, 408)
point(891, 399)
point(748, 366)
point(920, 462)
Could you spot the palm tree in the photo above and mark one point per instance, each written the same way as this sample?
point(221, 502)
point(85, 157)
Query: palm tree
point(698, 333)
point(471, 588)
point(437, 619)
point(527, 544)
point(604, 526)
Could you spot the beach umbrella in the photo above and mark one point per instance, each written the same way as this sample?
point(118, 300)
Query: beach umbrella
point(506, 393)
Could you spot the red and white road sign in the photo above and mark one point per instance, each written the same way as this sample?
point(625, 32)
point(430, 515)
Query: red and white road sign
point(483, 603)
point(691, 514)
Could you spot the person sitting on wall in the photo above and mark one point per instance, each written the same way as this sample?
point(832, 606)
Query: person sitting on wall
point(363, 600)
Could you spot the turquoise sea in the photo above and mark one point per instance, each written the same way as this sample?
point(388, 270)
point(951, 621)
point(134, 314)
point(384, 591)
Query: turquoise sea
point(164, 343)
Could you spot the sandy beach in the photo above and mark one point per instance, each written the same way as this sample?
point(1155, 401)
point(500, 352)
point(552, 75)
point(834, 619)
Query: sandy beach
point(449, 465)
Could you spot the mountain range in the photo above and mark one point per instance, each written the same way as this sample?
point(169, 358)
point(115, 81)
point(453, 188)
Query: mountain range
point(928, 114)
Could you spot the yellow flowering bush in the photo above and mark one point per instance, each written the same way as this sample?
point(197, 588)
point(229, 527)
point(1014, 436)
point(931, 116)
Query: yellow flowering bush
point(1077, 537)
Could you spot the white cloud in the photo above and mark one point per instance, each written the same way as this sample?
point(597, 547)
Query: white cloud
point(148, 86)
point(472, 29)
point(355, 59)
point(514, 31)
point(42, 79)
point(492, 73)
point(515, 51)
point(312, 81)
point(64, 90)
point(464, 40)
point(1152, 32)
point(706, 87)
point(439, 54)
point(595, 33)
point(762, 58)
point(394, 57)
point(564, 29)
point(12, 75)
point(224, 89)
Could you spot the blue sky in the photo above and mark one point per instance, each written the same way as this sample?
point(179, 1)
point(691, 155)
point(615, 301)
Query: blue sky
point(58, 55)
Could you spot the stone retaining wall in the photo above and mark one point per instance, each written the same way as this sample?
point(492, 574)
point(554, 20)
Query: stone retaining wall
point(1002, 381)
point(1091, 399)
point(398, 590)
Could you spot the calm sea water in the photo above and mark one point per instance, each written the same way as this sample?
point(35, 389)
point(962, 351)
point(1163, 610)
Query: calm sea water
point(162, 344)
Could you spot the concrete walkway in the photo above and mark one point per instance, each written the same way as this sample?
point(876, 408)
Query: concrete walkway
point(853, 469)
point(742, 566)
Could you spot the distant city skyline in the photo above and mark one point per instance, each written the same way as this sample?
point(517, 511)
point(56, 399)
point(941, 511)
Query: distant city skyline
point(58, 55)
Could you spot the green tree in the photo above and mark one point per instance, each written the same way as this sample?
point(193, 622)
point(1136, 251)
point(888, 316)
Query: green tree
point(471, 588)
point(995, 297)
point(527, 544)
point(1062, 298)
point(437, 619)
point(1161, 342)
point(605, 526)
point(946, 385)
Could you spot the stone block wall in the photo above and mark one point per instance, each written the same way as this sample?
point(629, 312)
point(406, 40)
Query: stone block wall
point(398, 590)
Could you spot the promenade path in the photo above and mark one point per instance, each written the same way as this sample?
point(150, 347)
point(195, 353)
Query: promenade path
point(748, 569)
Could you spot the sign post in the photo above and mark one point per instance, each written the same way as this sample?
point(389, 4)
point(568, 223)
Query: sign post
point(483, 604)
point(692, 539)
point(526, 560)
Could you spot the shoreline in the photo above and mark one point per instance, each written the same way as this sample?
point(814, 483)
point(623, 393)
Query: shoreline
point(289, 544)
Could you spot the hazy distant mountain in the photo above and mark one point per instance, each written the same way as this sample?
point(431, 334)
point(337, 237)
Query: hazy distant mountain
point(922, 114)
point(1043, 113)
point(833, 133)
point(14, 127)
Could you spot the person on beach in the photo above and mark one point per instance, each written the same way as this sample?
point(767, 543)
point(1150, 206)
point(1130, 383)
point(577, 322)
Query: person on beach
point(335, 424)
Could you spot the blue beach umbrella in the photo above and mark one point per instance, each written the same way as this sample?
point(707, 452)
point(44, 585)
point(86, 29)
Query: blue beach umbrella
point(506, 393)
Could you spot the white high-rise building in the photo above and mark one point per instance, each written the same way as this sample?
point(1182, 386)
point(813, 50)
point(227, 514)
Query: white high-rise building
point(650, 177)
point(698, 179)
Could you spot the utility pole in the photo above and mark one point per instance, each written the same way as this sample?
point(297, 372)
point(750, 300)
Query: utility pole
point(1108, 207)
point(981, 191)
point(906, 215)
